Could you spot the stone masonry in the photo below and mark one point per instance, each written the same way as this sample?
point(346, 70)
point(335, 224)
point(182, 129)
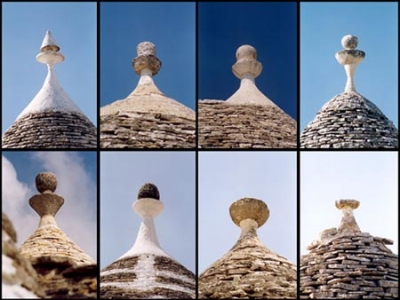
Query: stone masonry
point(346, 263)
point(51, 129)
point(249, 270)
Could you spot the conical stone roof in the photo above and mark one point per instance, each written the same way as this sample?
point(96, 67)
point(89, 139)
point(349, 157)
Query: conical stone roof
point(49, 244)
point(346, 263)
point(52, 119)
point(249, 269)
point(147, 118)
point(349, 120)
point(146, 271)
point(63, 270)
point(248, 119)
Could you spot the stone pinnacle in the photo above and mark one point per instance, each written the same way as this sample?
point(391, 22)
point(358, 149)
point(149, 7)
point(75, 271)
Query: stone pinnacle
point(350, 58)
point(49, 51)
point(348, 223)
point(46, 204)
point(249, 214)
point(146, 61)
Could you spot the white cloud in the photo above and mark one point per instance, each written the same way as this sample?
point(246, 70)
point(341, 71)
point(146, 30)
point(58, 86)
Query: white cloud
point(14, 197)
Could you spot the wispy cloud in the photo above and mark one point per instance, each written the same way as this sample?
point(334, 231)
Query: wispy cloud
point(14, 197)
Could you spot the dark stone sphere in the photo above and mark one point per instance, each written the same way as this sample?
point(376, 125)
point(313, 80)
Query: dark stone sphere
point(149, 190)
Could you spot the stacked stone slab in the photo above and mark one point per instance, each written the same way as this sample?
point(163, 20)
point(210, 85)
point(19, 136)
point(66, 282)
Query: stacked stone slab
point(249, 270)
point(248, 119)
point(147, 118)
point(52, 119)
point(346, 263)
point(349, 120)
point(146, 271)
point(224, 125)
point(64, 270)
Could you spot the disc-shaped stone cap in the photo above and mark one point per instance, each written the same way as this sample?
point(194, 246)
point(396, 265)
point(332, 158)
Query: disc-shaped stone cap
point(149, 190)
point(46, 182)
point(249, 208)
point(353, 204)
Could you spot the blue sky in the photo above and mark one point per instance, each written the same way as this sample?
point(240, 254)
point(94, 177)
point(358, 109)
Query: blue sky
point(24, 25)
point(269, 27)
point(169, 26)
point(225, 177)
point(322, 26)
point(369, 177)
point(122, 175)
point(77, 179)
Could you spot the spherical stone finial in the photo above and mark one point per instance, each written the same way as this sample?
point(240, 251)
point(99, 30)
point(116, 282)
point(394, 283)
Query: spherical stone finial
point(353, 204)
point(146, 48)
point(246, 62)
point(46, 182)
point(349, 42)
point(246, 52)
point(249, 208)
point(149, 190)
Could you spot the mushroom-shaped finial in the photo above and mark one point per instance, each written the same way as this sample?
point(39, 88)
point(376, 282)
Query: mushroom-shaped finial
point(146, 62)
point(348, 223)
point(350, 58)
point(46, 182)
point(249, 208)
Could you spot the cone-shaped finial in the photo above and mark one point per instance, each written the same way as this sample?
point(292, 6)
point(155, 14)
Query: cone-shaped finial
point(348, 223)
point(49, 43)
point(350, 58)
point(49, 51)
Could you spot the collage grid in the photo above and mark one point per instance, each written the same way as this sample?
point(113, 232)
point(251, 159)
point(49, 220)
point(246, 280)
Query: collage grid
point(198, 171)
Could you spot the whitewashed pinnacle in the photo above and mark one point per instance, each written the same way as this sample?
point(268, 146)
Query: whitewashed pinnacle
point(51, 97)
point(350, 58)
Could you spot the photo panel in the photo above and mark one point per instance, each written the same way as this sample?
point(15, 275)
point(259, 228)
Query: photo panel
point(49, 75)
point(247, 74)
point(147, 79)
point(349, 224)
point(49, 220)
point(247, 224)
point(148, 224)
point(349, 75)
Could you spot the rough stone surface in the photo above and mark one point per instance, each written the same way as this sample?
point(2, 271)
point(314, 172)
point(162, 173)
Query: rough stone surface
point(249, 208)
point(46, 182)
point(66, 282)
point(51, 129)
point(52, 245)
point(23, 280)
point(149, 190)
point(346, 263)
point(224, 125)
point(249, 270)
point(349, 120)
point(146, 130)
point(166, 279)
